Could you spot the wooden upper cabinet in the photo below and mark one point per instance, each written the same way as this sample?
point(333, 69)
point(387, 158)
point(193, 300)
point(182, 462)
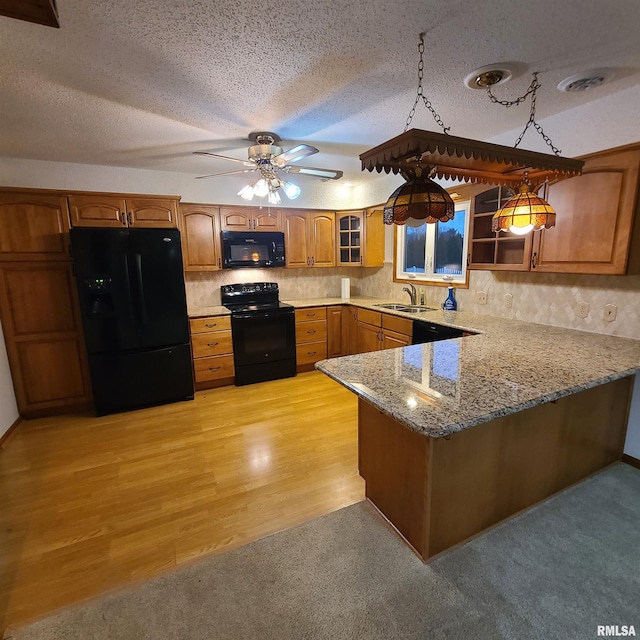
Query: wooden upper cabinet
point(267, 220)
point(250, 219)
point(200, 232)
point(152, 213)
point(116, 211)
point(309, 238)
point(322, 239)
point(296, 238)
point(33, 226)
point(597, 227)
point(97, 211)
point(360, 238)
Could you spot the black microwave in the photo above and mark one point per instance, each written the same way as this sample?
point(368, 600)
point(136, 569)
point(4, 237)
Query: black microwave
point(257, 249)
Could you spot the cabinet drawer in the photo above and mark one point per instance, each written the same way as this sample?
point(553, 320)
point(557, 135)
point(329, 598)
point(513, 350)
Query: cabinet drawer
point(370, 317)
point(311, 352)
point(311, 313)
point(395, 323)
point(313, 331)
point(213, 368)
point(215, 343)
point(212, 323)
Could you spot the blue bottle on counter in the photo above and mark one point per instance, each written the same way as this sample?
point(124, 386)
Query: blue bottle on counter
point(450, 303)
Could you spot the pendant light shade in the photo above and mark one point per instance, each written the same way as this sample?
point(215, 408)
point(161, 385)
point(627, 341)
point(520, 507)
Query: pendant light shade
point(525, 212)
point(419, 198)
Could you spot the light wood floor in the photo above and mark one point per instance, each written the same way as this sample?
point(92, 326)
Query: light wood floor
point(90, 504)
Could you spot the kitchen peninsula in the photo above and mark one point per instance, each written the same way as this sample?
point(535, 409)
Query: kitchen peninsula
point(458, 435)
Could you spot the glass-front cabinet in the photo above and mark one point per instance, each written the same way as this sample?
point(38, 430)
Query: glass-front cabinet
point(500, 250)
point(360, 238)
point(350, 229)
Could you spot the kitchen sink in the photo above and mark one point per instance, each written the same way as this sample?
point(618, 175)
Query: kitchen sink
point(406, 308)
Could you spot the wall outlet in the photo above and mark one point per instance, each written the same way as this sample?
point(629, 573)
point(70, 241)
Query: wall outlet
point(508, 300)
point(481, 297)
point(610, 312)
point(582, 309)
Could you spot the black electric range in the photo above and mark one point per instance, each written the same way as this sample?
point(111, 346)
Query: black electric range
point(263, 331)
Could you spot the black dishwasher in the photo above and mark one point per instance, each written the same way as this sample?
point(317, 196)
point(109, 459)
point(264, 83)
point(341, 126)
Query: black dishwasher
point(431, 332)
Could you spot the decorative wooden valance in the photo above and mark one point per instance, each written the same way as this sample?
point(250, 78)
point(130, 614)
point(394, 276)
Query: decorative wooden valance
point(467, 160)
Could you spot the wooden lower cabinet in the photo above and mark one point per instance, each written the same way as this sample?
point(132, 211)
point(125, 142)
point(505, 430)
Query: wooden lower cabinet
point(311, 337)
point(439, 492)
point(378, 330)
point(337, 331)
point(44, 339)
point(212, 347)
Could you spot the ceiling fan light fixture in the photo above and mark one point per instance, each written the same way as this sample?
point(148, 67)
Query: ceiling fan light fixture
point(419, 198)
point(246, 192)
point(274, 198)
point(291, 190)
point(261, 188)
point(523, 213)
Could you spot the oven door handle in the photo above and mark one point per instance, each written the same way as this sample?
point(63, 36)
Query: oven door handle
point(250, 316)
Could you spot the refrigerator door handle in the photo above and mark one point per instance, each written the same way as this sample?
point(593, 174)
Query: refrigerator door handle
point(142, 307)
point(128, 290)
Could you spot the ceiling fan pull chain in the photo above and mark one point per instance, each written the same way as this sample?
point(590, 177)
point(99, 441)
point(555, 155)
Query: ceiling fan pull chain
point(420, 94)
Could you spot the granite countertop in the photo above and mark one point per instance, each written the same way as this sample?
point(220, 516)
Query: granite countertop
point(442, 387)
point(203, 312)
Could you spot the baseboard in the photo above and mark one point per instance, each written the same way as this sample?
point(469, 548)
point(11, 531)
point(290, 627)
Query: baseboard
point(4, 438)
point(634, 462)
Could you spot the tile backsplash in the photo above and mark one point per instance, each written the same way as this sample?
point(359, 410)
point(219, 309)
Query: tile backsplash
point(547, 298)
point(203, 287)
point(537, 297)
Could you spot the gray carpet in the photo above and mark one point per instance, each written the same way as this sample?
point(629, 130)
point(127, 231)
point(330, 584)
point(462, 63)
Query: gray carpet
point(556, 571)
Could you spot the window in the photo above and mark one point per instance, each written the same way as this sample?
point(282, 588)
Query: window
point(434, 252)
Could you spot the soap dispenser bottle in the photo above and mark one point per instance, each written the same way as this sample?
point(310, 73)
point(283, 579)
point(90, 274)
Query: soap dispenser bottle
point(450, 303)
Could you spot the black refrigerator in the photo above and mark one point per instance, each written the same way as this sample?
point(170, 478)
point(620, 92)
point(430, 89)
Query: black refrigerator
point(134, 312)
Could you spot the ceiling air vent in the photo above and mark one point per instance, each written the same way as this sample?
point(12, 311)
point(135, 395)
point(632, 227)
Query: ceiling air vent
point(585, 80)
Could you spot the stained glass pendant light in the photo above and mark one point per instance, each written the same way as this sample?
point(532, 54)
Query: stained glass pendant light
point(525, 212)
point(419, 198)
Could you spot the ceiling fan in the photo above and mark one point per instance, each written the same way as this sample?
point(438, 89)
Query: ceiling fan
point(269, 160)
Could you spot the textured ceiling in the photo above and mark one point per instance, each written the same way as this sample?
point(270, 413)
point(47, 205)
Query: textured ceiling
point(143, 83)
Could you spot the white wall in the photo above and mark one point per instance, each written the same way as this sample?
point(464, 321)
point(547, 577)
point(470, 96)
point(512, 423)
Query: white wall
point(8, 407)
point(41, 174)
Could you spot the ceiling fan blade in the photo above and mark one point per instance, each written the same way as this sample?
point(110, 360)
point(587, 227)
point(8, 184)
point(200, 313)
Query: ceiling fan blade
point(226, 173)
point(295, 153)
point(246, 163)
point(325, 174)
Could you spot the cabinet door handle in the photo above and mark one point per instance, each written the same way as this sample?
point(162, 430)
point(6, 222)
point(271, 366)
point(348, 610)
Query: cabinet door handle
point(360, 259)
point(219, 262)
point(468, 259)
point(311, 331)
point(130, 219)
point(215, 324)
point(308, 261)
point(212, 344)
point(313, 261)
point(311, 315)
point(311, 353)
point(123, 218)
point(213, 368)
point(533, 260)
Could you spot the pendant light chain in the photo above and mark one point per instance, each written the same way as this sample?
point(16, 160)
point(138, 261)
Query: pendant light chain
point(531, 91)
point(420, 93)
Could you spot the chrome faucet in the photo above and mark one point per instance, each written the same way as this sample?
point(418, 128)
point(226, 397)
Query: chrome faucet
point(413, 294)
